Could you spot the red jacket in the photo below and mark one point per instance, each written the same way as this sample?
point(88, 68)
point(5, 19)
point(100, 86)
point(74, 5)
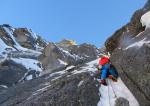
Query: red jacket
point(103, 61)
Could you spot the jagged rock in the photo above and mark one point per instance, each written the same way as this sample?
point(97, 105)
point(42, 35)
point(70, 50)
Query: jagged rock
point(24, 38)
point(70, 55)
point(50, 57)
point(133, 66)
point(4, 35)
point(122, 102)
point(130, 55)
point(85, 51)
point(66, 43)
point(41, 42)
point(130, 30)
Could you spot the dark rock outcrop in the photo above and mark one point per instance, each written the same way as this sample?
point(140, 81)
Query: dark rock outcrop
point(133, 66)
point(11, 73)
point(71, 55)
point(122, 102)
point(130, 51)
point(130, 30)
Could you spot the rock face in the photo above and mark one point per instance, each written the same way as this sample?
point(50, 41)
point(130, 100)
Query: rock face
point(130, 30)
point(56, 56)
point(130, 51)
point(28, 39)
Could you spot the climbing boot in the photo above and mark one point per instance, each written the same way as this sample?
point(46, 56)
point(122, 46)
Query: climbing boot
point(113, 78)
point(103, 82)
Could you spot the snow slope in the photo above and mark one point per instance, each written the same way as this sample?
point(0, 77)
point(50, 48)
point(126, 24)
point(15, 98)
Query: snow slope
point(113, 91)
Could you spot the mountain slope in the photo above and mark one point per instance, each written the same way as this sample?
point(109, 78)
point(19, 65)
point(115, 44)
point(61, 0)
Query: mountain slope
point(24, 55)
point(73, 86)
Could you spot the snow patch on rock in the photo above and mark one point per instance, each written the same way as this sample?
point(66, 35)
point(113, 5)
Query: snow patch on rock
point(138, 44)
point(4, 86)
point(145, 20)
point(80, 83)
point(62, 62)
point(30, 64)
point(30, 77)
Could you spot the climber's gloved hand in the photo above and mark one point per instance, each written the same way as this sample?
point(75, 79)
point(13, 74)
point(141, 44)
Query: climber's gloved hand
point(99, 67)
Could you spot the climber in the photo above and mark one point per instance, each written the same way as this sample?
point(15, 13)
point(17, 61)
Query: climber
point(107, 70)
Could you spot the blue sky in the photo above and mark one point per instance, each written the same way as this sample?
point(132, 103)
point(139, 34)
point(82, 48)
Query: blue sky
point(90, 21)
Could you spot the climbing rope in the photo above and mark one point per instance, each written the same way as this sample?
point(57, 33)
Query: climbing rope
point(108, 93)
point(112, 89)
point(109, 83)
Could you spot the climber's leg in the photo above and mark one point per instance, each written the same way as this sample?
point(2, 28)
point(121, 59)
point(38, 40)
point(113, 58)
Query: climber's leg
point(113, 74)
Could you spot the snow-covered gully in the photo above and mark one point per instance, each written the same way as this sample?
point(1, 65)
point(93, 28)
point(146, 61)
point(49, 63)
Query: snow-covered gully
point(114, 90)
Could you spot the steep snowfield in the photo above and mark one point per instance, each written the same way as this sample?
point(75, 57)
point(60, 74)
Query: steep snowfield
point(145, 20)
point(113, 91)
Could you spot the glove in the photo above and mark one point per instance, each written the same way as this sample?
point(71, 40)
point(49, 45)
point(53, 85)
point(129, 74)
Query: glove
point(99, 67)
